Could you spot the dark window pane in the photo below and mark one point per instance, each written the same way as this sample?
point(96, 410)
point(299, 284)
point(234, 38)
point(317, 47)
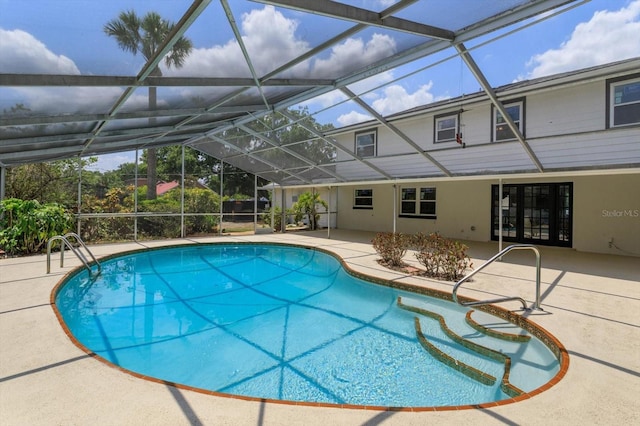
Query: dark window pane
point(364, 201)
point(408, 193)
point(626, 114)
point(447, 123)
point(364, 192)
point(626, 93)
point(514, 112)
point(503, 132)
point(444, 135)
point(366, 151)
point(408, 207)
point(428, 194)
point(428, 208)
point(366, 139)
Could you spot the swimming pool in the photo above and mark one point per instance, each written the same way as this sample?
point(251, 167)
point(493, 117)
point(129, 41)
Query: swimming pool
point(287, 323)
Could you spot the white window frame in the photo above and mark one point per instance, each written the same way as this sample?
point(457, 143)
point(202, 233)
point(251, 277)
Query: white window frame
point(519, 122)
point(418, 202)
point(366, 140)
point(616, 102)
point(441, 118)
point(361, 200)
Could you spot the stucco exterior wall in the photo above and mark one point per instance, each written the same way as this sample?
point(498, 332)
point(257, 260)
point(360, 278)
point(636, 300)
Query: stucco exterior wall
point(607, 207)
point(604, 207)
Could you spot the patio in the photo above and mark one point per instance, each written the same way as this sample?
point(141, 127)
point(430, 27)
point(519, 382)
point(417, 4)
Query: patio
point(590, 301)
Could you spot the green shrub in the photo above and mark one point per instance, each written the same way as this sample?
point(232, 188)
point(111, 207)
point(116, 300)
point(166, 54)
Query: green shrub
point(27, 225)
point(391, 247)
point(277, 218)
point(441, 257)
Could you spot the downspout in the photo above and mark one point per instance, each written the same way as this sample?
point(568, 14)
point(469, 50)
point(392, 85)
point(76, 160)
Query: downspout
point(283, 213)
point(500, 216)
point(395, 206)
point(135, 200)
point(221, 189)
point(255, 203)
point(182, 230)
point(79, 226)
point(329, 216)
point(273, 206)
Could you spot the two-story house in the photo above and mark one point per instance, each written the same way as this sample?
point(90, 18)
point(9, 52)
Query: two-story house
point(563, 171)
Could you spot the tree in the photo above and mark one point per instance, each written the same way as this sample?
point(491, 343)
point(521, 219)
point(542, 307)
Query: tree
point(48, 182)
point(146, 35)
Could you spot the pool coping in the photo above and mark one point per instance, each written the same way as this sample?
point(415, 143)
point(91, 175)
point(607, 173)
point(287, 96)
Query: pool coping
point(536, 330)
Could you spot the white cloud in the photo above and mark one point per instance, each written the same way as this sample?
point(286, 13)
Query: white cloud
point(268, 35)
point(607, 37)
point(70, 100)
point(352, 117)
point(23, 53)
point(397, 99)
point(371, 83)
point(326, 100)
point(352, 54)
point(270, 41)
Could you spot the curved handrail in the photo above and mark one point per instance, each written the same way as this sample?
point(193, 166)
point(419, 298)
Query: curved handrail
point(76, 251)
point(536, 304)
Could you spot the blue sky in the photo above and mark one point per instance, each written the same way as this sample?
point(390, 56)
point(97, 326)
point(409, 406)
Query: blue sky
point(66, 37)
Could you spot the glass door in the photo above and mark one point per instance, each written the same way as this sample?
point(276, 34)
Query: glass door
point(537, 203)
point(533, 213)
point(507, 204)
point(564, 208)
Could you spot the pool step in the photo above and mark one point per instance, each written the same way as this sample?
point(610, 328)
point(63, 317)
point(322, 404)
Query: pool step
point(456, 364)
point(522, 338)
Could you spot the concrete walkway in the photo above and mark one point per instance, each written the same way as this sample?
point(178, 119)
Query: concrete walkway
point(591, 304)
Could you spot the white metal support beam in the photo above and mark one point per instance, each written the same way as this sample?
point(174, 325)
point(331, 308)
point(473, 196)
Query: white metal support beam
point(247, 57)
point(395, 130)
point(262, 160)
point(473, 67)
point(180, 28)
point(335, 145)
point(334, 9)
point(288, 151)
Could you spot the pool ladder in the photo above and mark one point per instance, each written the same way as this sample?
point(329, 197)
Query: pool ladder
point(536, 304)
point(76, 250)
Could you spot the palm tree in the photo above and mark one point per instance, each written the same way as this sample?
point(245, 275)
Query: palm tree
point(146, 35)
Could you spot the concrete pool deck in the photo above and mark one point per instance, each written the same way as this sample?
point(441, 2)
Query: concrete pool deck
point(591, 304)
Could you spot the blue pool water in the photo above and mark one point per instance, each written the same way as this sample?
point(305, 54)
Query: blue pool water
point(284, 323)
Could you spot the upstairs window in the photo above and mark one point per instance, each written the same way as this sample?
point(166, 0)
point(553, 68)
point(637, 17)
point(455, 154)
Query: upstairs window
point(501, 130)
point(363, 199)
point(446, 127)
point(366, 144)
point(418, 202)
point(624, 103)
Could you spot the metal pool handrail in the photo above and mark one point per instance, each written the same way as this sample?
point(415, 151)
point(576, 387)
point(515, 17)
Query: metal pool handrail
point(536, 305)
point(75, 250)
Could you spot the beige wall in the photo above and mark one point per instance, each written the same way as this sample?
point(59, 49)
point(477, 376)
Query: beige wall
point(604, 207)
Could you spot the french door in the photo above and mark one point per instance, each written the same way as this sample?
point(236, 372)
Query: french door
point(533, 213)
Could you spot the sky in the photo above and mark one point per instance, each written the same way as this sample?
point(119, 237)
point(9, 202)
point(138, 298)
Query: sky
point(66, 37)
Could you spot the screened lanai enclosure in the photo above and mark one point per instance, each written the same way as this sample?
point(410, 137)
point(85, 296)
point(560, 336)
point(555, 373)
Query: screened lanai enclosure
point(232, 89)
